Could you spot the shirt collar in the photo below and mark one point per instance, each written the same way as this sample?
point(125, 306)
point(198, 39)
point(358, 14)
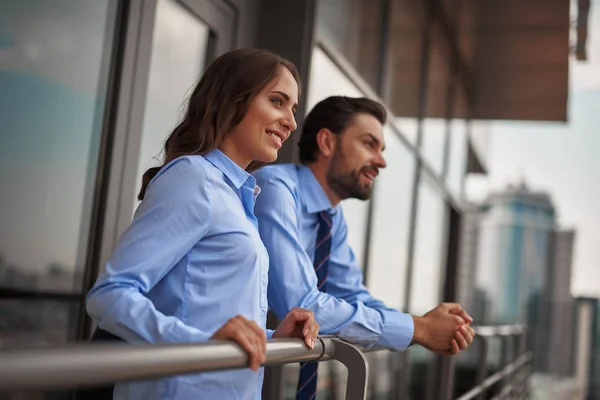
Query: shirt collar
point(234, 172)
point(313, 195)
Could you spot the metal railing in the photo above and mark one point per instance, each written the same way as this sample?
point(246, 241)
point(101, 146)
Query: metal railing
point(97, 364)
point(89, 365)
point(512, 378)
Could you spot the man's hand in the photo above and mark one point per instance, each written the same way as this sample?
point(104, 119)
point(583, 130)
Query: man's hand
point(299, 323)
point(444, 330)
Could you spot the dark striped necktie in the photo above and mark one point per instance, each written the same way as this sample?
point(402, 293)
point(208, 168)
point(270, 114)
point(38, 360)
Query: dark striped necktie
point(307, 384)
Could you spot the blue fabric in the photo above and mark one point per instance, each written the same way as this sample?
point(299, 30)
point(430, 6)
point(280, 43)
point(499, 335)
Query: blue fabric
point(287, 211)
point(191, 259)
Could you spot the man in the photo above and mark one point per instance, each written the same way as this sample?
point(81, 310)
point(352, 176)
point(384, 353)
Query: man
point(303, 228)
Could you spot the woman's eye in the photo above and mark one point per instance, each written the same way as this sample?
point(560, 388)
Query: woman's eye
point(277, 101)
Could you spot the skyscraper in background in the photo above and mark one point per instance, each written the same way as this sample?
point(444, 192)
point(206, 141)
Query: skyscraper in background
point(515, 268)
point(515, 231)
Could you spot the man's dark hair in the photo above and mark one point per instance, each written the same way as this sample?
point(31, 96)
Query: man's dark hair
point(334, 113)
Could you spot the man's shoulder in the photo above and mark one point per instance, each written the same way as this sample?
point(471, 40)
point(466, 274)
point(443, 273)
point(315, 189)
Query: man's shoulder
point(278, 174)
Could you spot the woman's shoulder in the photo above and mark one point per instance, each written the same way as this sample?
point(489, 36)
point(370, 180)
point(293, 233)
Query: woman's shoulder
point(194, 166)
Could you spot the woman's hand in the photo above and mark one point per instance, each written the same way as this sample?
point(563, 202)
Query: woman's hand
point(299, 323)
point(247, 334)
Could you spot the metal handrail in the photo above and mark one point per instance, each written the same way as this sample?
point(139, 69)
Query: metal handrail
point(81, 365)
point(96, 364)
point(520, 359)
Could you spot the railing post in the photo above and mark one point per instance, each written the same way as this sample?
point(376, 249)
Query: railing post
point(522, 385)
point(482, 368)
point(356, 363)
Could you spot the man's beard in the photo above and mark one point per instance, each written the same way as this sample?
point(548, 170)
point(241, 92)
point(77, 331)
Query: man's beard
point(346, 183)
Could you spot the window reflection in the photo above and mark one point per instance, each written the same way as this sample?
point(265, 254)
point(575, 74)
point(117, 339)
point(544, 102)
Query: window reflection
point(405, 47)
point(457, 165)
point(427, 276)
point(437, 111)
point(427, 271)
point(457, 152)
point(391, 221)
point(54, 58)
point(433, 143)
point(178, 59)
point(354, 28)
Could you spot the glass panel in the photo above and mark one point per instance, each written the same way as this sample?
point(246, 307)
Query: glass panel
point(434, 141)
point(427, 275)
point(54, 58)
point(37, 322)
point(177, 62)
point(354, 29)
point(326, 80)
point(438, 85)
point(391, 222)
point(457, 166)
point(405, 48)
point(429, 254)
point(457, 157)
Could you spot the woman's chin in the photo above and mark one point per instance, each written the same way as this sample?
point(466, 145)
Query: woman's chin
point(269, 157)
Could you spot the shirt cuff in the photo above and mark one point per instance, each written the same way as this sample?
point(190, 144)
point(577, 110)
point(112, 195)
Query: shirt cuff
point(270, 333)
point(398, 330)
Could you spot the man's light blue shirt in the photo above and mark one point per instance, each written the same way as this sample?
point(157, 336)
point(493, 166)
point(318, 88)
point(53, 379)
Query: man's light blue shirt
point(191, 259)
point(290, 199)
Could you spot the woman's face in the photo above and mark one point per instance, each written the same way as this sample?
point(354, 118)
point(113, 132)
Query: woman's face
point(268, 122)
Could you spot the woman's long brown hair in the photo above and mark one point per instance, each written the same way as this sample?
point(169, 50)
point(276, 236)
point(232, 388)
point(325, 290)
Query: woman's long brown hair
point(219, 102)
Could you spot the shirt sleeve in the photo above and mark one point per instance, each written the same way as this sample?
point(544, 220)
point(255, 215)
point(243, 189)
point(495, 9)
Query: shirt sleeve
point(293, 282)
point(345, 281)
point(173, 217)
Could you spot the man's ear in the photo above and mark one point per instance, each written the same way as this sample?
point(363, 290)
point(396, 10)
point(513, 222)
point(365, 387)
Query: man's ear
point(327, 142)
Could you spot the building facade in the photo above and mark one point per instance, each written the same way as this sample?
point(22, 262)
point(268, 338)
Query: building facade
point(90, 90)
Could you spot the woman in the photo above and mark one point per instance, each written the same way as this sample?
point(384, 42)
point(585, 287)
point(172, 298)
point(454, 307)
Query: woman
point(191, 266)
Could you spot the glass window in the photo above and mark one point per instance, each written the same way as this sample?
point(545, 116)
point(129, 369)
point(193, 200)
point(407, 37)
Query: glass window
point(326, 79)
point(178, 58)
point(354, 29)
point(405, 47)
point(457, 156)
point(433, 143)
point(427, 269)
point(427, 275)
point(457, 166)
point(391, 221)
point(54, 64)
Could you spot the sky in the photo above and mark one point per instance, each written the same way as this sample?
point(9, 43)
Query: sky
point(562, 159)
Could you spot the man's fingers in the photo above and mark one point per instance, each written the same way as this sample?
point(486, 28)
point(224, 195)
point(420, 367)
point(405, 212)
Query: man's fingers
point(459, 320)
point(472, 331)
point(454, 349)
point(463, 314)
point(462, 342)
point(452, 306)
point(466, 333)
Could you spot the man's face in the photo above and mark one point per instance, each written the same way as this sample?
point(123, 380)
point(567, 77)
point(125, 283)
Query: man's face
point(357, 158)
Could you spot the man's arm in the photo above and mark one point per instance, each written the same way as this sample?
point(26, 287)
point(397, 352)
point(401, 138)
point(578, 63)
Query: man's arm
point(346, 282)
point(293, 282)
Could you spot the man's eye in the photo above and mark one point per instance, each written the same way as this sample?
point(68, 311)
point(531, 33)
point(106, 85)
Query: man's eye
point(368, 145)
